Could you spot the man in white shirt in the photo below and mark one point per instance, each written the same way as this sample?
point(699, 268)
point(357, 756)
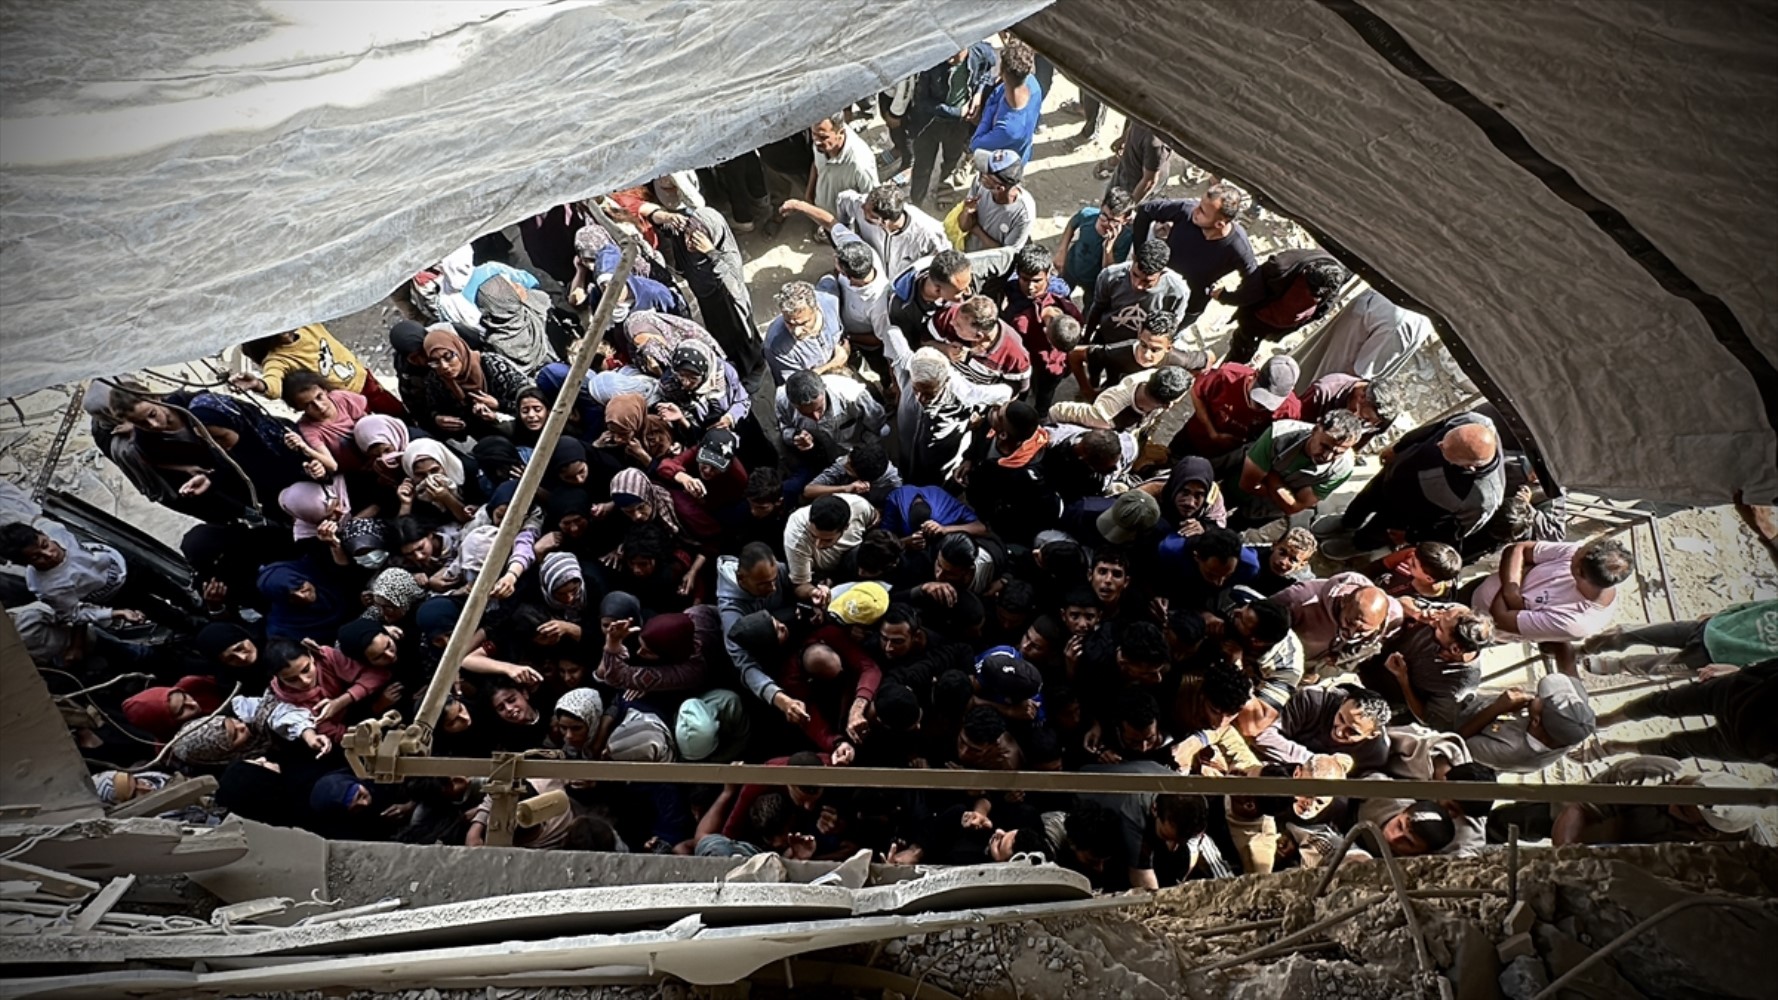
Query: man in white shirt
point(817, 536)
point(898, 232)
point(75, 579)
point(1554, 592)
point(842, 163)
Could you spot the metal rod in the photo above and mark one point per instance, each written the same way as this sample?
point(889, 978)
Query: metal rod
point(1512, 864)
point(1554, 989)
point(1265, 951)
point(418, 738)
point(1397, 885)
point(59, 444)
point(1079, 781)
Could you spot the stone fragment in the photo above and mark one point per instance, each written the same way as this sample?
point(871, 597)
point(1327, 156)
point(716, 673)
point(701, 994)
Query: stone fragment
point(1523, 978)
point(1520, 918)
point(1516, 947)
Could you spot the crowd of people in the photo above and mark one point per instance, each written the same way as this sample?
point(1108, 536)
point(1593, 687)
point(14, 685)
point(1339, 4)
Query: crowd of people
point(925, 516)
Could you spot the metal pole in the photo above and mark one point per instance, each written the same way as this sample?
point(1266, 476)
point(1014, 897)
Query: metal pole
point(418, 737)
point(1070, 781)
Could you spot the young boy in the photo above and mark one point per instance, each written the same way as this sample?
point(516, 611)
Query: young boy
point(1428, 569)
point(74, 578)
point(1095, 239)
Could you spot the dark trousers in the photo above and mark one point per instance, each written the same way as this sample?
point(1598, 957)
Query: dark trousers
point(937, 148)
point(1093, 109)
point(1742, 705)
point(743, 183)
point(1244, 341)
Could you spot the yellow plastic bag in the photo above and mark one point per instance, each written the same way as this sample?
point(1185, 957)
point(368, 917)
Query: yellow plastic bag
point(954, 226)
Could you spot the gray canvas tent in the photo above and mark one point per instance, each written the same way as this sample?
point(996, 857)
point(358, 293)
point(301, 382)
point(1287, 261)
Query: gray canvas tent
point(1580, 194)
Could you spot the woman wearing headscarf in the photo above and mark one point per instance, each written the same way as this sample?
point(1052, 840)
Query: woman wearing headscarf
point(533, 413)
point(220, 457)
point(646, 341)
point(640, 500)
point(513, 320)
point(1189, 497)
point(674, 652)
point(560, 579)
point(576, 721)
point(436, 480)
point(229, 654)
point(225, 561)
point(709, 257)
point(160, 711)
point(619, 446)
point(303, 601)
point(467, 393)
point(700, 391)
point(584, 416)
point(393, 594)
point(245, 728)
point(567, 465)
point(309, 505)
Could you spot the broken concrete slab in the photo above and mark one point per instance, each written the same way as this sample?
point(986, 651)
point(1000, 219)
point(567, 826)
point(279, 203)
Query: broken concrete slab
point(687, 949)
point(424, 875)
point(605, 910)
point(977, 885)
point(1523, 978)
point(280, 861)
point(41, 766)
point(106, 848)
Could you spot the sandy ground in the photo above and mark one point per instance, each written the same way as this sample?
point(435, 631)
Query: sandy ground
point(1711, 561)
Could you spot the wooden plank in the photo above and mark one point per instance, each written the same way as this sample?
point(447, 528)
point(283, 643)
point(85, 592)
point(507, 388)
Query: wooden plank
point(108, 897)
point(53, 882)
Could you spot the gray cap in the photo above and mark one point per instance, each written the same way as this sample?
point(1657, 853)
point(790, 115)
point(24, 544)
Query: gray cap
point(1274, 382)
point(1129, 516)
point(1567, 716)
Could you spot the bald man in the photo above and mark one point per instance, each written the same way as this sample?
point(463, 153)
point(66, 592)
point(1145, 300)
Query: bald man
point(1441, 483)
point(1341, 621)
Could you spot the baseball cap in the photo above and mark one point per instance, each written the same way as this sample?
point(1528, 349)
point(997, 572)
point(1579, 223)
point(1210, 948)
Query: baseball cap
point(1008, 676)
point(696, 729)
point(860, 604)
point(1274, 381)
point(1002, 163)
point(1567, 716)
point(1131, 514)
point(718, 449)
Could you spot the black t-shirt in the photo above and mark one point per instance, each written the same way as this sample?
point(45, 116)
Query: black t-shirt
point(1108, 364)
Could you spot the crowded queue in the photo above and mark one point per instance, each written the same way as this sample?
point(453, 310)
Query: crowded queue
point(924, 516)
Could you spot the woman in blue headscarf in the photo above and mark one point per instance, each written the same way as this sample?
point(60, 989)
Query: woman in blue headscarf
point(303, 601)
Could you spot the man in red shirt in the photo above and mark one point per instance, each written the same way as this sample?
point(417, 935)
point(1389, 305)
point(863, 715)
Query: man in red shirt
point(1033, 303)
point(981, 346)
point(1233, 404)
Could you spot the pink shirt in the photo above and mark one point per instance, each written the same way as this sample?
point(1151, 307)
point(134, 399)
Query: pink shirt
point(1555, 609)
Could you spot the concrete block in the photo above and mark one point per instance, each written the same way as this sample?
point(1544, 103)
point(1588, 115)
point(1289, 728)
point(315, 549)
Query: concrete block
point(1520, 918)
point(976, 885)
point(1523, 978)
point(1516, 947)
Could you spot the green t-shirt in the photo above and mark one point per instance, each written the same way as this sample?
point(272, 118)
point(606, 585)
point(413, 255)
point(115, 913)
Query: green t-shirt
point(1743, 634)
point(1281, 449)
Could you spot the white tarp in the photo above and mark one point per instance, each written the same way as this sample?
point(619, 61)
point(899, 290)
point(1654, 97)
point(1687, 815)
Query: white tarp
point(1666, 114)
point(182, 176)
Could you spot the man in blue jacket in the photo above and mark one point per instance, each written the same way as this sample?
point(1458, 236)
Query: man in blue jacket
point(939, 121)
point(1009, 115)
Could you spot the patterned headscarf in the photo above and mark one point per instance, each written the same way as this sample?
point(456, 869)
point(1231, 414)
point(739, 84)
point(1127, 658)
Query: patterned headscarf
point(632, 486)
point(556, 569)
point(397, 586)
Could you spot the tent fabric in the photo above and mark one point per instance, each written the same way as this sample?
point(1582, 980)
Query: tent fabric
point(1641, 371)
point(173, 184)
point(181, 178)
